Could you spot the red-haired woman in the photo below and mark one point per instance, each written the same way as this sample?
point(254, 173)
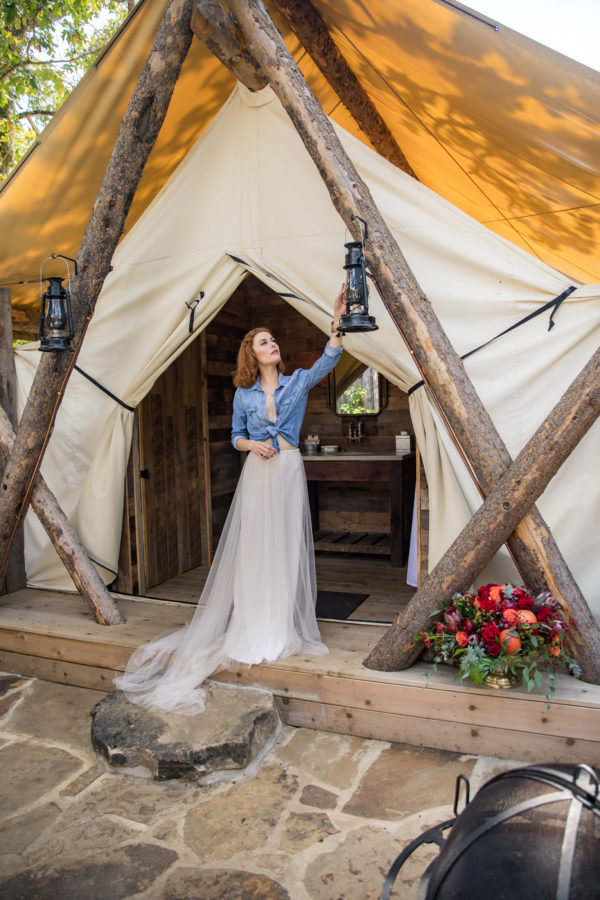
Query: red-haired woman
point(259, 599)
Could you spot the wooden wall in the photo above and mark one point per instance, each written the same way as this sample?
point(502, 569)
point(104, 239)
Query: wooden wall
point(185, 444)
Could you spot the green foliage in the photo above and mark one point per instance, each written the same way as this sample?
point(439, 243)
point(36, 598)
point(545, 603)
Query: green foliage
point(45, 48)
point(353, 399)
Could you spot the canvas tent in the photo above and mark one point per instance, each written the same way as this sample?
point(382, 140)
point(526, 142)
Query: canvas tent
point(503, 128)
point(232, 207)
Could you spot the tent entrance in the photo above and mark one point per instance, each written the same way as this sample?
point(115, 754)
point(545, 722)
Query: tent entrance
point(183, 470)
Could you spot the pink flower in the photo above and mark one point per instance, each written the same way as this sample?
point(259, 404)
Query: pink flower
point(452, 619)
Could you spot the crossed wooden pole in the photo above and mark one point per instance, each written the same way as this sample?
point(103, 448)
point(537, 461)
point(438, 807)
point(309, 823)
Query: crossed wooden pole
point(246, 40)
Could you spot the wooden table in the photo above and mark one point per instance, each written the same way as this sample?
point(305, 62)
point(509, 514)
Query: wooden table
point(397, 471)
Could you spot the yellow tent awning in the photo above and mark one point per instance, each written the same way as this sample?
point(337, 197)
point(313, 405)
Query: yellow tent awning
point(501, 127)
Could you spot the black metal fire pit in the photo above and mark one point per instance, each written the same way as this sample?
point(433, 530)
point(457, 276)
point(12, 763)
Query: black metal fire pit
point(529, 833)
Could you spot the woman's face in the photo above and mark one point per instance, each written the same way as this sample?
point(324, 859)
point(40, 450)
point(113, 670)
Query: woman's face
point(266, 349)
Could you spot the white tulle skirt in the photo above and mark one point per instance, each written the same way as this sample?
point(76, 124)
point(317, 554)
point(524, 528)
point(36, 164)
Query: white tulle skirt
point(259, 599)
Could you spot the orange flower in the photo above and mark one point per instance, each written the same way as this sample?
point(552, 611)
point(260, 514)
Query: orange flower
point(462, 638)
point(495, 592)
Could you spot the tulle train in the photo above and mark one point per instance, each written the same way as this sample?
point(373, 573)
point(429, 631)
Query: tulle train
point(259, 599)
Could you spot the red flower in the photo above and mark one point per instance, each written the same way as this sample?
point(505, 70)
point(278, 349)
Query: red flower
point(462, 638)
point(524, 601)
point(490, 633)
point(484, 592)
point(487, 604)
point(425, 639)
point(543, 614)
point(493, 649)
point(468, 626)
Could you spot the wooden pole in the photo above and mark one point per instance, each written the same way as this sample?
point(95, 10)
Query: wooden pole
point(505, 505)
point(215, 28)
point(139, 129)
point(538, 557)
point(14, 574)
point(65, 541)
point(310, 29)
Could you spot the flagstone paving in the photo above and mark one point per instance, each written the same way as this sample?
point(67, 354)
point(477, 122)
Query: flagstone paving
point(323, 818)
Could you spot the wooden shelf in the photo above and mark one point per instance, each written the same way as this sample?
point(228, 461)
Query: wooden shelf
point(353, 542)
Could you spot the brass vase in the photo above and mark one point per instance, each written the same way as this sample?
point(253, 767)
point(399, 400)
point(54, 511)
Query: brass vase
point(502, 680)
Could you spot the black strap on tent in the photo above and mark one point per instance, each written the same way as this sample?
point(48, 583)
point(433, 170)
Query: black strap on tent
point(106, 390)
point(551, 304)
point(249, 268)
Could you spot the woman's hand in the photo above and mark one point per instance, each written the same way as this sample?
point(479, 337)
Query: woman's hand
point(339, 304)
point(262, 450)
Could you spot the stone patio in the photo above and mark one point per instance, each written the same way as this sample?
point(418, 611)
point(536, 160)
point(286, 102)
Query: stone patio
point(323, 818)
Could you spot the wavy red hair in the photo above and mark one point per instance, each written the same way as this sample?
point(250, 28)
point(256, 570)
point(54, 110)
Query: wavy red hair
point(246, 372)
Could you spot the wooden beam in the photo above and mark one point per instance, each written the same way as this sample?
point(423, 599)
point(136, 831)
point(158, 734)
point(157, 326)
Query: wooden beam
point(14, 574)
point(489, 527)
point(65, 541)
point(212, 24)
point(538, 557)
point(311, 30)
point(139, 129)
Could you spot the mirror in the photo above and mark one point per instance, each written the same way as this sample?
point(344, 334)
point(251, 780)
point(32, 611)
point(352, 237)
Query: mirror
point(355, 389)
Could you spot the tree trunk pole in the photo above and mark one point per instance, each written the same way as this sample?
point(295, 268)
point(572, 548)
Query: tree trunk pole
point(14, 574)
point(312, 32)
point(139, 129)
point(539, 559)
point(65, 541)
point(504, 506)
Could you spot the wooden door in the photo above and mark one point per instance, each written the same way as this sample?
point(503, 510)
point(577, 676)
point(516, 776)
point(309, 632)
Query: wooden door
point(173, 469)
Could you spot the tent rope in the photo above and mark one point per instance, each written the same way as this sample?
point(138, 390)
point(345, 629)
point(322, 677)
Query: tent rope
point(551, 304)
point(104, 389)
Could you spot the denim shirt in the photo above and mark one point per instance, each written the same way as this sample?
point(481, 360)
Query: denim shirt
point(249, 416)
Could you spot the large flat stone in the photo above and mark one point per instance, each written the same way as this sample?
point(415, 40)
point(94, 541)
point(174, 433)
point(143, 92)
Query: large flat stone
point(302, 830)
point(105, 875)
point(404, 780)
point(57, 715)
point(30, 771)
point(19, 832)
point(217, 884)
point(237, 725)
point(242, 818)
point(333, 759)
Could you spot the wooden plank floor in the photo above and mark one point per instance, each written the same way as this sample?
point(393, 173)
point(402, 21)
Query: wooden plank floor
point(385, 584)
point(52, 636)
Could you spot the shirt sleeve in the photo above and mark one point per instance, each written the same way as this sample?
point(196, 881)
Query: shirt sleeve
point(323, 365)
point(239, 426)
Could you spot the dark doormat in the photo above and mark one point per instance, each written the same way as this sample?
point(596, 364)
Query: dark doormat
point(337, 604)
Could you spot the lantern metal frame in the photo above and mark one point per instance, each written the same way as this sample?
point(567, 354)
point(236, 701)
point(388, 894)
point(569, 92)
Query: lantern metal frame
point(56, 294)
point(356, 318)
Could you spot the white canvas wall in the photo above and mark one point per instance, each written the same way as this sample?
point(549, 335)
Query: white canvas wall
point(248, 189)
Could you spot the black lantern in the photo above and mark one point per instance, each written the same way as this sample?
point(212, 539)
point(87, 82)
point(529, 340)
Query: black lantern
point(356, 317)
point(56, 323)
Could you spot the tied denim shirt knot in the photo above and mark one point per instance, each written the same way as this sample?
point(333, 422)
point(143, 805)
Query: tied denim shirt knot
point(249, 404)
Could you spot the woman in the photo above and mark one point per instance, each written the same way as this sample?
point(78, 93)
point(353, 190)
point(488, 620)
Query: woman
point(259, 599)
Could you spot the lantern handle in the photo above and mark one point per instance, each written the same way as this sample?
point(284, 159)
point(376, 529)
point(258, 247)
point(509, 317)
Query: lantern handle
point(58, 256)
point(70, 258)
point(366, 231)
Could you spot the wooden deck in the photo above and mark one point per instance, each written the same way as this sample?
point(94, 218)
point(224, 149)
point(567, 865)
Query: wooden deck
point(52, 636)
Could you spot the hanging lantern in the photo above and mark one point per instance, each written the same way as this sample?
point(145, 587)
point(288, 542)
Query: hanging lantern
point(56, 323)
point(356, 317)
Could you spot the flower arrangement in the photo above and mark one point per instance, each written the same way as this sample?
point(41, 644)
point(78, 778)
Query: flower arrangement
point(498, 630)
